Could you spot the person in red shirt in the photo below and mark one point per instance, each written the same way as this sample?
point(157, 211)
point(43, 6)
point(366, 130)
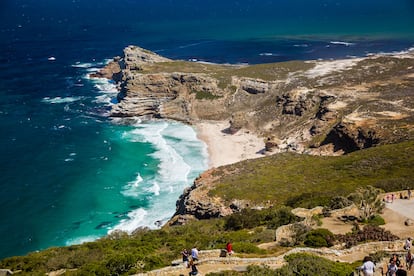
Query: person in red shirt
point(229, 248)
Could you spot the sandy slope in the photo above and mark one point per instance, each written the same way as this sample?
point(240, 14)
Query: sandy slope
point(224, 148)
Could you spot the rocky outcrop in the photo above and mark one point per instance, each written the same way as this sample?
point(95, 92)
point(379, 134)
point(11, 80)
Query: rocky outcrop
point(135, 57)
point(162, 95)
point(195, 203)
point(348, 138)
point(112, 71)
point(254, 86)
point(315, 107)
point(318, 107)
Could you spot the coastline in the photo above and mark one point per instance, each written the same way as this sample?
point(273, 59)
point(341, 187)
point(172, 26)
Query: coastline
point(224, 148)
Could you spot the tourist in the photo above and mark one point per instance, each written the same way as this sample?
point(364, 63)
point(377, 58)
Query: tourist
point(194, 253)
point(407, 244)
point(401, 271)
point(388, 198)
point(392, 269)
point(409, 193)
point(194, 270)
point(229, 248)
point(185, 255)
point(395, 259)
point(409, 260)
point(368, 267)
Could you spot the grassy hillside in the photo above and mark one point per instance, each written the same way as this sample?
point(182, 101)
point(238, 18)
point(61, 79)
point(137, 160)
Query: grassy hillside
point(122, 254)
point(285, 178)
point(304, 180)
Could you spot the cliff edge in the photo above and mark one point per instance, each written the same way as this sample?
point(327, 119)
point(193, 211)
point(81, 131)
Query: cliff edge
point(330, 107)
point(316, 107)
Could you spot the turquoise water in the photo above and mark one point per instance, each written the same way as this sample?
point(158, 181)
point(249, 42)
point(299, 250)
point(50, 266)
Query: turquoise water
point(68, 172)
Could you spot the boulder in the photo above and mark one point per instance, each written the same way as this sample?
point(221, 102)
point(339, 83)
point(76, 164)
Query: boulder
point(408, 222)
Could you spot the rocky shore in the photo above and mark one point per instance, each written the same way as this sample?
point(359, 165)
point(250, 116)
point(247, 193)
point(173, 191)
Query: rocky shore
point(315, 107)
point(310, 107)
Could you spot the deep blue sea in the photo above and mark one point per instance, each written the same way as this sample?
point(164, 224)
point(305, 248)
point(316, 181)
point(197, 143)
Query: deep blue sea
point(71, 174)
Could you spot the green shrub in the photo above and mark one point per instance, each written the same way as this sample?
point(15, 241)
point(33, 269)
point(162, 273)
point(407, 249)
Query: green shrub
point(91, 269)
point(280, 216)
point(247, 218)
point(246, 247)
point(250, 218)
point(339, 202)
point(260, 270)
point(308, 200)
point(120, 263)
point(307, 264)
point(316, 219)
point(204, 95)
point(376, 220)
point(319, 238)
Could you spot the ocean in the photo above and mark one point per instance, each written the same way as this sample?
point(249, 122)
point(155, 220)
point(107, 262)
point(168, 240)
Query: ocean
point(69, 173)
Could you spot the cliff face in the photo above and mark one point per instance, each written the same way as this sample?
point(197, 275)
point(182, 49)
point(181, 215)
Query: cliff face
point(315, 107)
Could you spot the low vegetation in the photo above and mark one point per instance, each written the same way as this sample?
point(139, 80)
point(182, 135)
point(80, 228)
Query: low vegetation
point(367, 234)
point(297, 264)
point(307, 181)
point(313, 178)
point(123, 254)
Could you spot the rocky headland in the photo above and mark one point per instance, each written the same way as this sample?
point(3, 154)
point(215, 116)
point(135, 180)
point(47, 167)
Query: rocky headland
point(330, 107)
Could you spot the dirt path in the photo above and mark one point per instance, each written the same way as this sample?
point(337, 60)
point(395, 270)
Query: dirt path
point(403, 207)
point(394, 215)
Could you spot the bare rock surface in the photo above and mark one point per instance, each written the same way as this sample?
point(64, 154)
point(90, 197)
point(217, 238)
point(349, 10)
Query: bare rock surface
point(314, 107)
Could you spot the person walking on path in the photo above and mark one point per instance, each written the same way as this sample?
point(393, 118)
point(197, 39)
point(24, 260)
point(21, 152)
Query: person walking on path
point(407, 244)
point(401, 271)
point(409, 260)
point(194, 270)
point(185, 255)
point(194, 253)
point(392, 269)
point(368, 267)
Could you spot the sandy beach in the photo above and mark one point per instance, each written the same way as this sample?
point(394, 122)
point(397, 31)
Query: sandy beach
point(225, 148)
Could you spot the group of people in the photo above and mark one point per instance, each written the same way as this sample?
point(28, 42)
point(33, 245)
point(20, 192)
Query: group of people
point(395, 267)
point(190, 257)
point(389, 198)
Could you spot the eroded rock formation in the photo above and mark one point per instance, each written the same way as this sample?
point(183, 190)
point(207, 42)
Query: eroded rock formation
point(314, 107)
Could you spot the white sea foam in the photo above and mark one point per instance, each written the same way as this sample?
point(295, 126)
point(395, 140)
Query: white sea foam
point(59, 100)
point(192, 44)
point(92, 69)
point(106, 87)
point(342, 43)
point(132, 189)
point(268, 54)
point(176, 147)
point(135, 220)
point(107, 91)
point(86, 65)
point(83, 65)
point(81, 240)
point(301, 45)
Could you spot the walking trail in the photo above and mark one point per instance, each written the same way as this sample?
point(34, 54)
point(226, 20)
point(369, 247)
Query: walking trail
point(394, 215)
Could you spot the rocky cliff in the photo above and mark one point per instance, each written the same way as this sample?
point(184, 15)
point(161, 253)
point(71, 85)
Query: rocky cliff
point(319, 107)
point(313, 107)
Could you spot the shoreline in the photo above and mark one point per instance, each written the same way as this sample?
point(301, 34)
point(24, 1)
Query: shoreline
point(224, 148)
